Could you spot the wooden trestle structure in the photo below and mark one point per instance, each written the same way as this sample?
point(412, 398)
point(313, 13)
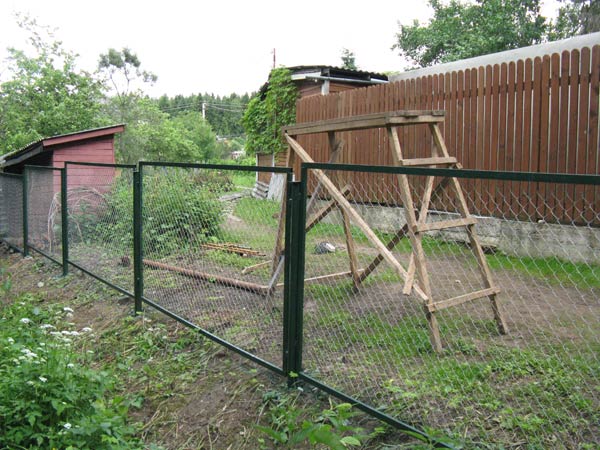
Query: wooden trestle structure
point(416, 277)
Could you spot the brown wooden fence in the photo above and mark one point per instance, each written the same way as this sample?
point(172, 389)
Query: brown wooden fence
point(537, 115)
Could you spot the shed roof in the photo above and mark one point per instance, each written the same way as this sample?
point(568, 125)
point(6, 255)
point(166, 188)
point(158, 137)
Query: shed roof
point(37, 147)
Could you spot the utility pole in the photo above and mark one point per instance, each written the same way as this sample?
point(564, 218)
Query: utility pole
point(274, 59)
point(203, 110)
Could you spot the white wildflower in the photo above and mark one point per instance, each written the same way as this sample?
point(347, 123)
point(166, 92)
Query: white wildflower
point(67, 426)
point(11, 340)
point(40, 284)
point(67, 309)
point(43, 379)
point(86, 330)
point(25, 320)
point(47, 326)
point(70, 365)
point(30, 383)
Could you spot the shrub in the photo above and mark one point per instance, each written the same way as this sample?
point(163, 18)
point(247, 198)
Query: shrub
point(48, 397)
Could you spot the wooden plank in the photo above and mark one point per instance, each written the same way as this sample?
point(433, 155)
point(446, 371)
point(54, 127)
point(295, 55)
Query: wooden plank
point(517, 187)
point(525, 200)
point(494, 140)
point(226, 281)
point(563, 136)
point(365, 121)
point(455, 301)
point(572, 140)
point(554, 128)
point(444, 224)
point(507, 204)
point(479, 160)
point(321, 278)
point(356, 218)
point(428, 161)
point(541, 199)
point(500, 207)
point(584, 104)
point(592, 195)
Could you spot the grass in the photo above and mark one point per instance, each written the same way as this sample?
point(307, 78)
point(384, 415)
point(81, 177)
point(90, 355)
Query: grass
point(552, 270)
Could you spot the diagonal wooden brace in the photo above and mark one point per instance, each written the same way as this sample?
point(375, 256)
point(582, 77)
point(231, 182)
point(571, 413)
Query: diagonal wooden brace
point(352, 214)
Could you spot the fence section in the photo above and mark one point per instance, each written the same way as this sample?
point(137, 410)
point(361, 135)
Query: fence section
point(209, 252)
point(44, 210)
point(11, 210)
point(537, 115)
point(363, 335)
point(324, 289)
point(100, 221)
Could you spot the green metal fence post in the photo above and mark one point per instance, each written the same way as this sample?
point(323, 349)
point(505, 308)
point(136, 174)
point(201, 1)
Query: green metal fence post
point(138, 286)
point(294, 281)
point(64, 220)
point(25, 213)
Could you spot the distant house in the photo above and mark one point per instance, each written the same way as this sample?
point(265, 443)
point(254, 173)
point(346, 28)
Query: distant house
point(315, 80)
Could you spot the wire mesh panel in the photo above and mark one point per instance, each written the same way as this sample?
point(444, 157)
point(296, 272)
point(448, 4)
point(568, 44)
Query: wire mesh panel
point(209, 239)
point(529, 381)
point(11, 209)
point(100, 215)
point(44, 224)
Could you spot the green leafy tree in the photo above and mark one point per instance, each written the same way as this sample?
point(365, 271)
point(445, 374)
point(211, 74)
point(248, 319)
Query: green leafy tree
point(348, 60)
point(460, 30)
point(45, 94)
point(267, 112)
point(576, 17)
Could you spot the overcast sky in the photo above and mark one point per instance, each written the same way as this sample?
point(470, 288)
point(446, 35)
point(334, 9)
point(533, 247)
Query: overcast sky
point(223, 46)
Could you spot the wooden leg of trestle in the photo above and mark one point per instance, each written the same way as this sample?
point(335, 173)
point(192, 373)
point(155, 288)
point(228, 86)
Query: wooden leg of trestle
point(434, 331)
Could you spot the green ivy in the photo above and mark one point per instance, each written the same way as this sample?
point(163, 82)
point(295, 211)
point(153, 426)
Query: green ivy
point(269, 111)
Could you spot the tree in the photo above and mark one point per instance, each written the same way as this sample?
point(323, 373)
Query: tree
point(122, 68)
point(576, 17)
point(267, 112)
point(464, 30)
point(348, 60)
point(45, 94)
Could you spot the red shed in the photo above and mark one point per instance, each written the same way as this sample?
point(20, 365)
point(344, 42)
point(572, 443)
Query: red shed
point(92, 146)
point(95, 146)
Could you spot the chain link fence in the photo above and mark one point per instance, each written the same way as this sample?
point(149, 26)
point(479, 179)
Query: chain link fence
point(209, 253)
point(11, 209)
point(366, 330)
point(100, 221)
point(488, 332)
point(44, 211)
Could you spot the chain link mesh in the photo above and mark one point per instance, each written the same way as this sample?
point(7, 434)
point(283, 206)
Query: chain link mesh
point(44, 210)
point(11, 209)
point(534, 387)
point(208, 248)
point(100, 215)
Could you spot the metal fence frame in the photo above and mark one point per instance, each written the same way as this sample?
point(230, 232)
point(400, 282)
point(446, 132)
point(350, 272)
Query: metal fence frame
point(293, 292)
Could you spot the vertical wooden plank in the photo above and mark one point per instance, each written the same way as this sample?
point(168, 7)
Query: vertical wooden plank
point(526, 201)
point(518, 148)
point(582, 153)
point(563, 135)
point(473, 126)
point(500, 207)
point(543, 138)
point(493, 127)
point(593, 149)
point(479, 159)
point(573, 123)
point(554, 127)
point(510, 138)
point(489, 124)
point(532, 211)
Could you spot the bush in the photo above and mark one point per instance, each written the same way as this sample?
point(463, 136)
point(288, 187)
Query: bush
point(180, 208)
point(48, 397)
